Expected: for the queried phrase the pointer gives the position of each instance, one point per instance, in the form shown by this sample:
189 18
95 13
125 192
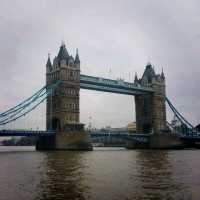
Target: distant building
131 127
120 129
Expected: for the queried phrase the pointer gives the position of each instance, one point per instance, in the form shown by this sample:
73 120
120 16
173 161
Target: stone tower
151 108
63 105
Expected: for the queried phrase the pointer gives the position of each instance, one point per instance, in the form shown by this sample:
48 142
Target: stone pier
75 140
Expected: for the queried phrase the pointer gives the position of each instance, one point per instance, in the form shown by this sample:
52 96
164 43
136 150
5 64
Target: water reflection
102 174
137 175
155 178
63 177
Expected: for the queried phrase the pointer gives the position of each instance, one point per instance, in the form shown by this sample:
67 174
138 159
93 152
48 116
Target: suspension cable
20 104
178 115
27 105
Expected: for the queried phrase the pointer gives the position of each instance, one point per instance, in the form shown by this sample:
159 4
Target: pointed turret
77 60
63 54
48 61
148 74
48 65
48 70
71 60
136 78
148 65
150 69
162 75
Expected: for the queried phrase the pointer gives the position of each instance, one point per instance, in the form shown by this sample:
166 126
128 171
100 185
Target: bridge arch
55 124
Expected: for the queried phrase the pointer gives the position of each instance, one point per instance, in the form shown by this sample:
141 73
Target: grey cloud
121 35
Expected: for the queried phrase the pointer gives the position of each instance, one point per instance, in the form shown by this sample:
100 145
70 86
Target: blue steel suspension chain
19 110
22 103
178 115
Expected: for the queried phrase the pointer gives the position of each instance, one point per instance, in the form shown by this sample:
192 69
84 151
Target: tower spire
136 78
63 54
49 61
62 43
77 60
162 74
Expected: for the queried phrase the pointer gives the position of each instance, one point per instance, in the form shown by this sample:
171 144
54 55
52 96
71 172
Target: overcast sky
121 35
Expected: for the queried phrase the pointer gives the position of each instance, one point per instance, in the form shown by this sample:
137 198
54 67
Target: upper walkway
114 86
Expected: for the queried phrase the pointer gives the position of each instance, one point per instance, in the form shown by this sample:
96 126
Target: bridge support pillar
151 111
158 141
76 140
73 141
165 141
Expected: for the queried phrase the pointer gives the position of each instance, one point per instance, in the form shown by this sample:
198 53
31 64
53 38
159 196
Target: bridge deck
123 135
31 133
28 133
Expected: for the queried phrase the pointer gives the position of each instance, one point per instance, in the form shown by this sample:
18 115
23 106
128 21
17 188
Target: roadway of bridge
30 133
123 135
27 133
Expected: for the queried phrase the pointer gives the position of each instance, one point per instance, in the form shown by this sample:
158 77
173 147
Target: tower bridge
63 127
149 92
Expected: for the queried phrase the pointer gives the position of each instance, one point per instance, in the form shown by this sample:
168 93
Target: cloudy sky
121 35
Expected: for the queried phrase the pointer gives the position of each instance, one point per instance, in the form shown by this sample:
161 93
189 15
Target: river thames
105 173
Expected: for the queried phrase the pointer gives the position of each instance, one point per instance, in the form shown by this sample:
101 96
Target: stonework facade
151 108
63 106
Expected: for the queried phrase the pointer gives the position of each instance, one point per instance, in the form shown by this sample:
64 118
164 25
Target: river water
105 173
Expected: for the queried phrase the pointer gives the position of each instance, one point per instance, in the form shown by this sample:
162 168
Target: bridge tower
151 113
151 108
62 107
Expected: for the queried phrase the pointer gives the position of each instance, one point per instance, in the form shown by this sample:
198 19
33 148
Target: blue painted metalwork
114 86
28 133
91 83
188 131
16 108
142 138
178 115
28 105
191 137
86 82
